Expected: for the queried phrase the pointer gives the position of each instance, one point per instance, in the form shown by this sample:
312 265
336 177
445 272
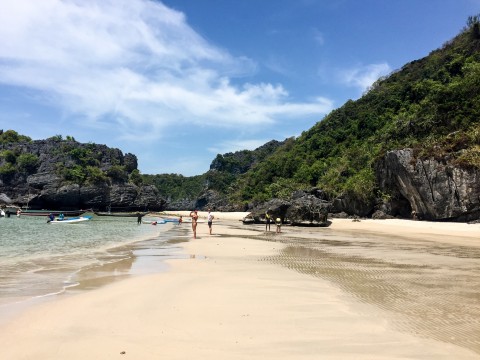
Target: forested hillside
224 170
431 105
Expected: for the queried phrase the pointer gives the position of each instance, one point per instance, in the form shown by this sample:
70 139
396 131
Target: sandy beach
374 289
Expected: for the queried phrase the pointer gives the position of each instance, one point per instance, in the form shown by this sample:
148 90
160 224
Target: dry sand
228 300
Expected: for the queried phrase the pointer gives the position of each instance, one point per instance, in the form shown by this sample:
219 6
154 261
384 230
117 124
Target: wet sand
367 290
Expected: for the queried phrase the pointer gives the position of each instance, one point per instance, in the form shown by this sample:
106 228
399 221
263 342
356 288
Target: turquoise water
38 259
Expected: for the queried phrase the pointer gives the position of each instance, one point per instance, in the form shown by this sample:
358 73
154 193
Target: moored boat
69 213
121 214
71 220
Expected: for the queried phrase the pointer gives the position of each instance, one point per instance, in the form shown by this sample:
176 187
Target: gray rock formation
50 183
306 209
433 189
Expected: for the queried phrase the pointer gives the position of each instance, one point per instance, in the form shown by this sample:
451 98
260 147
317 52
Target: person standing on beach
267 221
210 218
278 221
139 218
194 217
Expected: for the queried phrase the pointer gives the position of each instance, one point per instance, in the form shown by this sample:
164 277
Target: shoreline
228 298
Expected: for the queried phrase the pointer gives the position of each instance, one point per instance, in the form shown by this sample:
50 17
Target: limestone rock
434 189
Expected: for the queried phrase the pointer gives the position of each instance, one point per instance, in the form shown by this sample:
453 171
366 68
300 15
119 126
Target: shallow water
37 259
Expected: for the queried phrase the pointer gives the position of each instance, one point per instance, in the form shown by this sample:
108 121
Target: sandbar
231 298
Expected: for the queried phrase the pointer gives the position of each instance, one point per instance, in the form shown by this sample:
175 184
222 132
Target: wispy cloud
318 36
134 64
363 77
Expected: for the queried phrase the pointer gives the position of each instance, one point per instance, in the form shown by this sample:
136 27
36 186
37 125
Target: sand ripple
432 290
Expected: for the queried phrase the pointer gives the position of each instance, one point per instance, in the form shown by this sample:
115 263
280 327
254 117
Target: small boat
121 214
53 212
71 220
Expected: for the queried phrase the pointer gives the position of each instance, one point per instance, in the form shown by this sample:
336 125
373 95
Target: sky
177 82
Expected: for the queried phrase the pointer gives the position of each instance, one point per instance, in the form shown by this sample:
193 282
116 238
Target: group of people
51 217
194 216
268 220
7 213
210 217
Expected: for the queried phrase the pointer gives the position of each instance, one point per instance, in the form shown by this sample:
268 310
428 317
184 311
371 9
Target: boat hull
142 214
68 213
72 220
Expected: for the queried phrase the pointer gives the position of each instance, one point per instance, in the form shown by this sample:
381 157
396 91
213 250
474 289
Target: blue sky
176 82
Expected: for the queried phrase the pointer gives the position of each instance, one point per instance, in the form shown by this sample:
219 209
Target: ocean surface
38 259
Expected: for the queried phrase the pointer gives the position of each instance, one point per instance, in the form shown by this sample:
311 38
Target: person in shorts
268 219
278 222
210 218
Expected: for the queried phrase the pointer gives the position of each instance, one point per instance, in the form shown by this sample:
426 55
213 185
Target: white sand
225 303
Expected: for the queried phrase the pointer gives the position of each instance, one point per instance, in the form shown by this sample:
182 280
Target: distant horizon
177 82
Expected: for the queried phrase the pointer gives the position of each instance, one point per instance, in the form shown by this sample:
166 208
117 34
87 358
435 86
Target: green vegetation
431 105
27 163
11 136
175 186
73 162
223 174
11 162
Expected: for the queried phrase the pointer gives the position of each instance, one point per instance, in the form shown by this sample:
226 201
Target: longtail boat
121 214
69 213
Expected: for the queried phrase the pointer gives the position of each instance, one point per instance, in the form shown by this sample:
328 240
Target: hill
63 173
210 189
430 107
410 146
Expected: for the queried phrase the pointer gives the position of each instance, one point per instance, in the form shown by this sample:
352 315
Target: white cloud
133 64
364 76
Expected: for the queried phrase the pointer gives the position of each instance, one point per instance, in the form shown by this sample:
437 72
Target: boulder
307 210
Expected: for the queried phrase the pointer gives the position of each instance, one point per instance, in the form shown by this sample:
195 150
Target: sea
40 260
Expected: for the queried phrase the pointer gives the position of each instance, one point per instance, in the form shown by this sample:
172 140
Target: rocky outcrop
352 206
433 189
305 208
51 182
308 209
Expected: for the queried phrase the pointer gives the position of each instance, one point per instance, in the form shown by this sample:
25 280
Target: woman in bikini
194 217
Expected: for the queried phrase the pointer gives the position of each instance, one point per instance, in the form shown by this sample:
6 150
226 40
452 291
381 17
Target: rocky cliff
67 174
433 189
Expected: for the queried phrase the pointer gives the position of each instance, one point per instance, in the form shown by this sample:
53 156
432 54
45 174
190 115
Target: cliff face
68 174
435 190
